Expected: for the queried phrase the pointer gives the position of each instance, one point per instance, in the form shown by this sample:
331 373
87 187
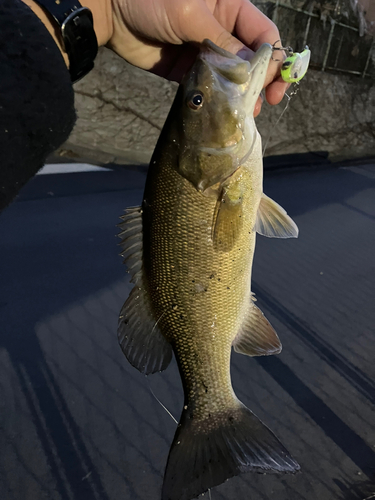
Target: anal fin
256 336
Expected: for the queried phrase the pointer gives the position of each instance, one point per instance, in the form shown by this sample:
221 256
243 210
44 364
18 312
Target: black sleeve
36 97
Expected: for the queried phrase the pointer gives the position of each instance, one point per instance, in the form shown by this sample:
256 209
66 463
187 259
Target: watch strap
77 34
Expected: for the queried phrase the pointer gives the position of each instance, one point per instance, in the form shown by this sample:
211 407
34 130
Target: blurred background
77 422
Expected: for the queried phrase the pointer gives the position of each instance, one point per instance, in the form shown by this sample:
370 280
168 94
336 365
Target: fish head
216 128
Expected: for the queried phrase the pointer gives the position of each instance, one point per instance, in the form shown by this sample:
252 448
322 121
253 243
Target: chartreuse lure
295 66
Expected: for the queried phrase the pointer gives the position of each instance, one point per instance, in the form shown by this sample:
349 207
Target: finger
254 28
275 91
179 62
262 30
258 106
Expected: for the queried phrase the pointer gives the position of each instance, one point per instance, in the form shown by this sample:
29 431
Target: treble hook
288 50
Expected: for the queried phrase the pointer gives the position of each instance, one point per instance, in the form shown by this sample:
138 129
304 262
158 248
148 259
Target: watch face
80 42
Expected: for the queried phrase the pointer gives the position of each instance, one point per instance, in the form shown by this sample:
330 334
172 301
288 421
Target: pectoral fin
228 219
256 336
273 221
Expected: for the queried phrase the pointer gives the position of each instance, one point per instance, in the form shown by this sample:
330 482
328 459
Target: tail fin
207 453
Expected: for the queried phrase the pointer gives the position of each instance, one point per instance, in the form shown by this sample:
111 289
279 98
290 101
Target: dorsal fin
142 342
139 336
131 241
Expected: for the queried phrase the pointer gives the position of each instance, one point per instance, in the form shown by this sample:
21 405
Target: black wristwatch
77 34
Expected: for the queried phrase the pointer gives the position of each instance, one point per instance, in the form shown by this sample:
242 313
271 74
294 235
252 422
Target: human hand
159 35
163 36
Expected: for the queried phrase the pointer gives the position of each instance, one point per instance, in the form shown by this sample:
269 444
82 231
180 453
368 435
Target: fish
189 249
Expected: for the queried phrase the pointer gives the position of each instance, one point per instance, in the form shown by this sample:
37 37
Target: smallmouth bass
189 248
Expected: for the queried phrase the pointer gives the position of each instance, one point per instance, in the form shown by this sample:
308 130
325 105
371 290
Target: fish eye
286 64
196 101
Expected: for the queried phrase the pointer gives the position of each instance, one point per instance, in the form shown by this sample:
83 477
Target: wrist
50 24
102 14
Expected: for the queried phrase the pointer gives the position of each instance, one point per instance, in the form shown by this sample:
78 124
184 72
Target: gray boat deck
77 422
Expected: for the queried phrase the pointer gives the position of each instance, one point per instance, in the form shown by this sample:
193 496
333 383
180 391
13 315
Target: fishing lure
293 70
295 66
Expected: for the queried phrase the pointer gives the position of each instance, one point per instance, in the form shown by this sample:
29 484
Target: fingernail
245 54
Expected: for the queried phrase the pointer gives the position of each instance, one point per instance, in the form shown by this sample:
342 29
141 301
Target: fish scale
186 264
191 267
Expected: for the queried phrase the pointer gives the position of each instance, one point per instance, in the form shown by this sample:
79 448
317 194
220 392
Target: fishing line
160 403
156 324
149 386
172 417
293 69
289 97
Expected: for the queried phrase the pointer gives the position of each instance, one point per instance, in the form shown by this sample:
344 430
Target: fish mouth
259 64
240 150
248 75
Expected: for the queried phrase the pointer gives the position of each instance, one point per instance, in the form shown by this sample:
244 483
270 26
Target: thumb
206 26
196 27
